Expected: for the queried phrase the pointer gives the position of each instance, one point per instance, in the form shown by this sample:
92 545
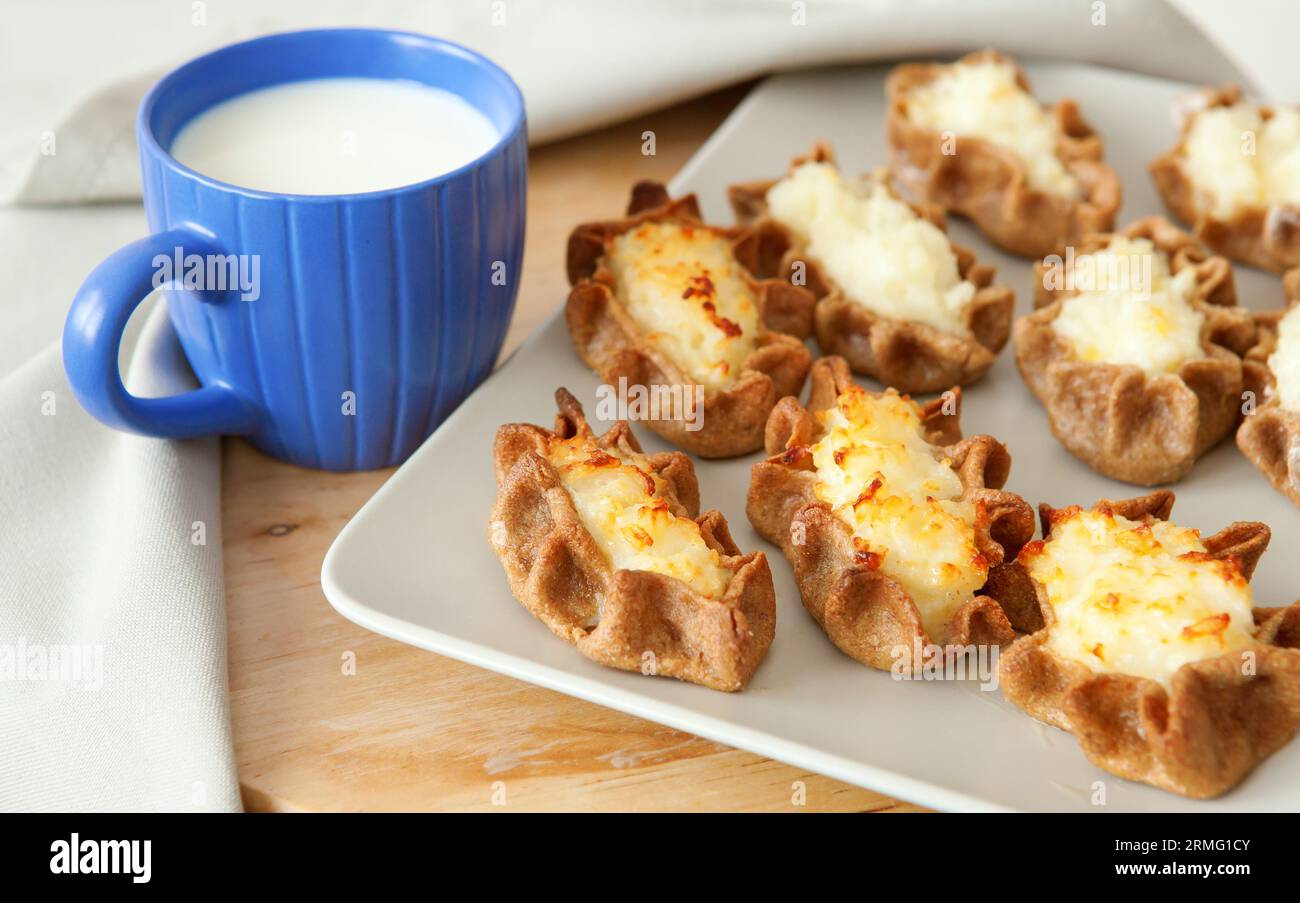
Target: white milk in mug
334 136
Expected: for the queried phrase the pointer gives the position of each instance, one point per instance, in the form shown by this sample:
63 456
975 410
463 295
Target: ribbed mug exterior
376 313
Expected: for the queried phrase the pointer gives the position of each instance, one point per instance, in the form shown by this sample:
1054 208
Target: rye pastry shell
988 184
1212 726
1119 420
623 618
611 343
865 613
1267 237
1270 435
911 357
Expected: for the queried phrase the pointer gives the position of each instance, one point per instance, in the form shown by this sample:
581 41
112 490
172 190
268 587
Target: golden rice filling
1138 598
1130 309
984 100
619 500
902 501
874 247
685 290
1236 158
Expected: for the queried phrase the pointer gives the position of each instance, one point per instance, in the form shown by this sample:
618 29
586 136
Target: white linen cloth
98 529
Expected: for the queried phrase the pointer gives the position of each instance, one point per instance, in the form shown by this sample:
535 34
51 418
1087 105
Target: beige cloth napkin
112 616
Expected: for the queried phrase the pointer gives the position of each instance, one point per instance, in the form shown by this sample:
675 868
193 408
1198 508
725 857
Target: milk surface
334 136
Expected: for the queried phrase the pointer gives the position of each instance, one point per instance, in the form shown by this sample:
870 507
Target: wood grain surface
328 716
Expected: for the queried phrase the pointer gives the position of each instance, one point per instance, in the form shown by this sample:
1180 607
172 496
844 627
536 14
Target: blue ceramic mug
377 313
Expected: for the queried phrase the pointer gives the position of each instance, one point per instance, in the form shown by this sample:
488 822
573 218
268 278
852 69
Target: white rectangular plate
415 563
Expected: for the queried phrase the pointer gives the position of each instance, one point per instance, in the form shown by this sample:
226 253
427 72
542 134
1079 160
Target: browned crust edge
1265 237
911 357
988 184
1215 723
1119 420
631 620
611 343
864 613
1269 436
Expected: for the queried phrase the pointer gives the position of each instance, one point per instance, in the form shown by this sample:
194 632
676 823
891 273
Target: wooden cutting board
328 716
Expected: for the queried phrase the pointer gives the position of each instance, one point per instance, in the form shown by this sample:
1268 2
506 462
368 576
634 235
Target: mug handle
92 336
